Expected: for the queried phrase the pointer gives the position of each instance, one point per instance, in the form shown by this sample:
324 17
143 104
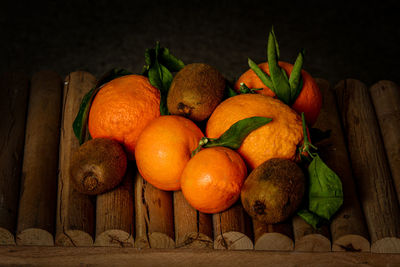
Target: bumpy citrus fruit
277 139
122 109
309 100
212 179
164 148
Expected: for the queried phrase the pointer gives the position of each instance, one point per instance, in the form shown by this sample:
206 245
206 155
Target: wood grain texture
75 211
38 197
308 239
154 221
273 237
348 229
114 214
14 90
193 229
370 166
233 229
385 96
100 256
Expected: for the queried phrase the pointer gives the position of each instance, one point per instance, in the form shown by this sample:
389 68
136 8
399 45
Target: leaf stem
307 146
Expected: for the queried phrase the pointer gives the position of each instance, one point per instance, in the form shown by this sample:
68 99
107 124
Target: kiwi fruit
98 166
195 91
273 191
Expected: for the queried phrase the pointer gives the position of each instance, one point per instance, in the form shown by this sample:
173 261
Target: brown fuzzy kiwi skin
273 191
98 166
195 91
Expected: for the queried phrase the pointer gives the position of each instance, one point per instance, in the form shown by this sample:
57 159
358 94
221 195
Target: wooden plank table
363 149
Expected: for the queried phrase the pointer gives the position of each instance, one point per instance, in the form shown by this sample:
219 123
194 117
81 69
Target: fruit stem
306 147
203 141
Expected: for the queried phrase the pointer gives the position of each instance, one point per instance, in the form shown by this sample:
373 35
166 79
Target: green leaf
149 55
234 136
266 80
295 79
325 190
169 61
160 77
276 43
79 124
159 63
312 219
279 80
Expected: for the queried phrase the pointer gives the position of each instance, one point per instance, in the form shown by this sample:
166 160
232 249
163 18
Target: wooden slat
273 237
348 228
14 89
370 166
37 207
386 99
306 238
193 229
57 256
154 220
114 214
232 229
75 211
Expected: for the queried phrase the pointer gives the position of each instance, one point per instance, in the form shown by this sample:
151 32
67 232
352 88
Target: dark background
341 41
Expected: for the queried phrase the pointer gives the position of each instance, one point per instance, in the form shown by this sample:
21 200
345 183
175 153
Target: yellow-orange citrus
164 148
309 100
212 179
277 139
122 109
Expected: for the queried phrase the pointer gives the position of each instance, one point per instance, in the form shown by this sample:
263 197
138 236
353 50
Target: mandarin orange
308 101
277 139
164 148
212 179
122 109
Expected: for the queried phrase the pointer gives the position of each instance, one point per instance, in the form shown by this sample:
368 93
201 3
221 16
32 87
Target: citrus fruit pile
187 130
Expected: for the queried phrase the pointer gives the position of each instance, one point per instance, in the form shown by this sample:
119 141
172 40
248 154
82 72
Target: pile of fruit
188 129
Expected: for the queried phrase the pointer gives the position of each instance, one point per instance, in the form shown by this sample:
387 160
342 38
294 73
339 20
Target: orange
212 179
309 100
164 148
122 109
277 139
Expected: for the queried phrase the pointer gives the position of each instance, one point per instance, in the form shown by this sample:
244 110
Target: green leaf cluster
80 122
286 88
325 192
159 65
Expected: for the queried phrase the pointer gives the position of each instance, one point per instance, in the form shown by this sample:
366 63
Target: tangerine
308 101
122 109
164 148
212 179
277 139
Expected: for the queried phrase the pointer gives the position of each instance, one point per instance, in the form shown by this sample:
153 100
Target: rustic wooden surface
154 216
114 214
64 256
75 211
193 229
232 229
306 238
348 229
37 205
386 98
273 237
14 90
370 166
368 220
